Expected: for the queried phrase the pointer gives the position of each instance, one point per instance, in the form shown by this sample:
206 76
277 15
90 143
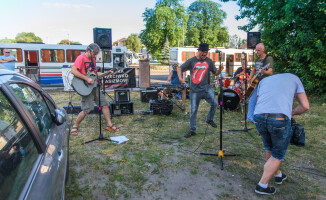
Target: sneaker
211 122
189 134
267 191
279 180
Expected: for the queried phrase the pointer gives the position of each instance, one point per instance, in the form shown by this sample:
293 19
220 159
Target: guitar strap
264 64
265 60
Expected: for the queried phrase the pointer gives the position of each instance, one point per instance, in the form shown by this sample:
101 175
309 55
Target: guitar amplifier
146 95
121 95
161 107
121 108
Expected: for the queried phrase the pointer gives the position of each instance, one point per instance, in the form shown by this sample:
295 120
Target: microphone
243 53
218 51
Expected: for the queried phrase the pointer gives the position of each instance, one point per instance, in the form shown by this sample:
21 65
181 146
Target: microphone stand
245 129
100 137
220 153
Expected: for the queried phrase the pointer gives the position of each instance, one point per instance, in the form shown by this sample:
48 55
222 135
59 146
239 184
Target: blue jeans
275 134
252 105
209 95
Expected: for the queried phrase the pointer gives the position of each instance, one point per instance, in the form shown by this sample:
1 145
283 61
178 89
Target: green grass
156 145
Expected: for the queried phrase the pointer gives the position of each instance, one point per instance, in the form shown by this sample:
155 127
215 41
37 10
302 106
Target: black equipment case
121 108
161 107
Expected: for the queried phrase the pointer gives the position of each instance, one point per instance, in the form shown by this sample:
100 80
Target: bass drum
231 98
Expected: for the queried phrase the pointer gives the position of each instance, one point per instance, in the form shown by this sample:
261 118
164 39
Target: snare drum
231 98
226 82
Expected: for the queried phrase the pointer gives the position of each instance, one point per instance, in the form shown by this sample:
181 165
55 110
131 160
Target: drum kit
233 94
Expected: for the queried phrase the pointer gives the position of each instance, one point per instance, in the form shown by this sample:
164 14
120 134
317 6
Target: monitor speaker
103 37
121 95
253 38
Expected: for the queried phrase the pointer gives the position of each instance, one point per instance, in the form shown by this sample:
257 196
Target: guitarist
262 60
84 64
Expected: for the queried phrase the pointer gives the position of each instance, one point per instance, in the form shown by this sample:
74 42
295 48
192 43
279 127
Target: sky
55 20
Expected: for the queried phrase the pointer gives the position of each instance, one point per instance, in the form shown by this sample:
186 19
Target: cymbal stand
245 129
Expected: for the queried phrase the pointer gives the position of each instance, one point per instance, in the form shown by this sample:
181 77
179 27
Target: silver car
34 141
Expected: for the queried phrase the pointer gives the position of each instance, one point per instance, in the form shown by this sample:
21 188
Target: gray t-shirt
199 73
259 64
276 92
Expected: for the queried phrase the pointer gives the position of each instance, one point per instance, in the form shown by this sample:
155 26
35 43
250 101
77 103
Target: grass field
157 156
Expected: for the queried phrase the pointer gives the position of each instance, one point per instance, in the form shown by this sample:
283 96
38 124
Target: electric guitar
82 87
254 82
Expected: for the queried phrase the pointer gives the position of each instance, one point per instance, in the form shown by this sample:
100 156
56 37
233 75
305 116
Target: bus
45 63
231 58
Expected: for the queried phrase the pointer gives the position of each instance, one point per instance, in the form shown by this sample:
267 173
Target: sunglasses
6 52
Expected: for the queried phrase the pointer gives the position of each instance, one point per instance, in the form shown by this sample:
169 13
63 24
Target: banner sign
122 78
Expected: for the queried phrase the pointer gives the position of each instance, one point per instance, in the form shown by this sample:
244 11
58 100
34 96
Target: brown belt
276 116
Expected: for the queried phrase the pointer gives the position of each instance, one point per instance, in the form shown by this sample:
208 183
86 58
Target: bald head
260 46
260 50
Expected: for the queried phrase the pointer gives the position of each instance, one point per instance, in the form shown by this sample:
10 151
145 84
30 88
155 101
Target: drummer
241 74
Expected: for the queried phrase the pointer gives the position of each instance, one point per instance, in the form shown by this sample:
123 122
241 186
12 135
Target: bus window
238 57
251 58
73 54
187 55
53 55
174 56
18 53
223 56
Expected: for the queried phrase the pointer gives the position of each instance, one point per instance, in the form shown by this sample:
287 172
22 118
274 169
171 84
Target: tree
235 42
65 41
165 53
7 40
68 42
27 37
294 33
166 20
133 43
204 24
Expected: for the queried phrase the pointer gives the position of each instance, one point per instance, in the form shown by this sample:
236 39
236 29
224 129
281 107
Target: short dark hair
93 47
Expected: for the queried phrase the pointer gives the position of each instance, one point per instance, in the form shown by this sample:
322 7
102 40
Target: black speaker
121 95
146 95
253 38
161 107
103 37
124 108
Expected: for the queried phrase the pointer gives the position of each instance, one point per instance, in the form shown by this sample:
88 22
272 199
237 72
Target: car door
19 154
50 177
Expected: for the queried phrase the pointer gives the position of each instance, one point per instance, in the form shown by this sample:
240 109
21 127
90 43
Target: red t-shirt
84 64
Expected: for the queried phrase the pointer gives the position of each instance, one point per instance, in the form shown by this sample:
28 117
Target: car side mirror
60 116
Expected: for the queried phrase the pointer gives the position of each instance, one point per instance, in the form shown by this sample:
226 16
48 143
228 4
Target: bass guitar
255 81
82 87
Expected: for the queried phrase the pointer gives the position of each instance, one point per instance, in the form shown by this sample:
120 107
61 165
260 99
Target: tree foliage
204 24
294 33
166 20
235 42
27 37
7 40
65 41
165 53
133 43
